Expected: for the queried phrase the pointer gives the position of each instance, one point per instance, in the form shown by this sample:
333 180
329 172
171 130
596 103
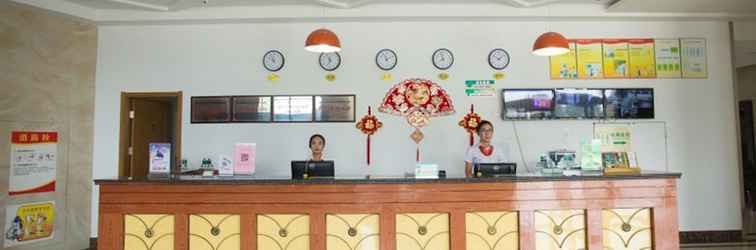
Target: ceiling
117 12
691 6
177 5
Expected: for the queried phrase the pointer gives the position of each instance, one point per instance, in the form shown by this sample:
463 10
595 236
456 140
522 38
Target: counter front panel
518 212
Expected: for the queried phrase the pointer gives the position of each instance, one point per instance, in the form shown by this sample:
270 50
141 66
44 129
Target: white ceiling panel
682 6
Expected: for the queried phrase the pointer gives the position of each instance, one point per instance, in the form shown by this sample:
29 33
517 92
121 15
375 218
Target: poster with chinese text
589 59
693 58
667 58
33 162
642 58
564 66
615 58
613 139
29 223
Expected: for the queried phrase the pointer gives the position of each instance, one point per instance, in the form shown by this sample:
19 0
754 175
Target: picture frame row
273 109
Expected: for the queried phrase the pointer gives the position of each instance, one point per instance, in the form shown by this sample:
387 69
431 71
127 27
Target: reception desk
517 212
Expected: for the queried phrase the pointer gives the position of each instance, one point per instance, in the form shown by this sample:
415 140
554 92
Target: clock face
498 59
330 61
443 59
273 60
386 59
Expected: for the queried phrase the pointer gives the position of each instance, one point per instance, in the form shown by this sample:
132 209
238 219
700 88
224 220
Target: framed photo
252 109
335 108
210 109
615 160
293 108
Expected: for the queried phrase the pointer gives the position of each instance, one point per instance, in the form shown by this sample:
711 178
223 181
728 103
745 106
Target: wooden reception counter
518 212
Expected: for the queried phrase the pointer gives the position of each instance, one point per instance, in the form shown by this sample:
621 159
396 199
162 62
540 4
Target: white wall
225 59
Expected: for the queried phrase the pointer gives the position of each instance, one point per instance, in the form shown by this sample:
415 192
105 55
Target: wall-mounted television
579 103
528 103
629 103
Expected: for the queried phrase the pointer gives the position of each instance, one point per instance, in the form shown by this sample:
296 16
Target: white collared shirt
499 154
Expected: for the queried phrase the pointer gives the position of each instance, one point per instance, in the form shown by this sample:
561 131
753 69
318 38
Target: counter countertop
286 180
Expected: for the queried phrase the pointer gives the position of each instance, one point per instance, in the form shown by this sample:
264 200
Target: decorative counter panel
525 212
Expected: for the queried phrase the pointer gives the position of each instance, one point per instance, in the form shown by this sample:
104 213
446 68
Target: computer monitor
527 104
494 169
579 104
629 103
314 169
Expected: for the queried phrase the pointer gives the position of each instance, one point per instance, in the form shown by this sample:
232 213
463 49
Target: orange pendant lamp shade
551 44
323 41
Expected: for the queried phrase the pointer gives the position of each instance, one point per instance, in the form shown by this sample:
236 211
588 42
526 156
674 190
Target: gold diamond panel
352 231
148 232
425 231
214 232
491 230
560 229
625 229
283 231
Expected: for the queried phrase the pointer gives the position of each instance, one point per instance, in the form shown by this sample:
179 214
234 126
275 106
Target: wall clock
330 61
498 59
386 59
273 60
443 59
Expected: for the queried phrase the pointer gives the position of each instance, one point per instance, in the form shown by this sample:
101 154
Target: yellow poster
564 66
27 223
615 58
667 53
589 59
642 59
694 58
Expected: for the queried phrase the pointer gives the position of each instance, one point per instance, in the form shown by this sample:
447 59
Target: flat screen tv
629 103
579 104
528 103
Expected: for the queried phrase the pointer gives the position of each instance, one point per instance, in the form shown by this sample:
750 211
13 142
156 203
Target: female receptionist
484 151
317 144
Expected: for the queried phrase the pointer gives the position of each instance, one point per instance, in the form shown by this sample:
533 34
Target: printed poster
589 59
693 58
564 66
480 88
667 58
29 223
160 158
33 162
613 139
244 158
615 58
642 58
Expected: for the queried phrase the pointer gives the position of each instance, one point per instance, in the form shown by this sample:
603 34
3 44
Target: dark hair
317 136
480 125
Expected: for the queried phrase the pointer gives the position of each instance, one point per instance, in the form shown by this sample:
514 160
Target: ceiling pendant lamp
550 44
322 41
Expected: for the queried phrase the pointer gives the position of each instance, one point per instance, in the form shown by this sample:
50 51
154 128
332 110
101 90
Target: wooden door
150 124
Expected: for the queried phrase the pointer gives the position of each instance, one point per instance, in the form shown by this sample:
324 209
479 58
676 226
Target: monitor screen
312 168
579 103
494 169
528 103
629 103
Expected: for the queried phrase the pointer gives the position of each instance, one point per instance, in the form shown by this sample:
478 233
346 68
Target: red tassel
472 139
417 153
368 150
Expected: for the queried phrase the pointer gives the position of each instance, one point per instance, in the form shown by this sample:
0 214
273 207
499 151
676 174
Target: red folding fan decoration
418 100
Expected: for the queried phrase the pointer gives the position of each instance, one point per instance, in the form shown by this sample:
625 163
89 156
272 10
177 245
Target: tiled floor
727 246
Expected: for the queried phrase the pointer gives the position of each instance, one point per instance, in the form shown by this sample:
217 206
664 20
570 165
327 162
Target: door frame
125 127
